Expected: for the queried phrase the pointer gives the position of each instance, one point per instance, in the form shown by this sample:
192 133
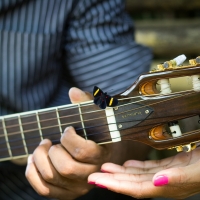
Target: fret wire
13 157
39 126
22 134
6 137
82 121
59 123
101 143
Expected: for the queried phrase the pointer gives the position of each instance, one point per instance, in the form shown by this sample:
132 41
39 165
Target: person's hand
61 171
177 177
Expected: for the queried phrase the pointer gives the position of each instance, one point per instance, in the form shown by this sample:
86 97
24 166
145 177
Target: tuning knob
195 61
186 148
175 62
172 63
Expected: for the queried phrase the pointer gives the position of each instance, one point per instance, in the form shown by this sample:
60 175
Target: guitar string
80 129
65 109
82 106
57 125
88 127
157 102
56 133
41 121
101 141
71 123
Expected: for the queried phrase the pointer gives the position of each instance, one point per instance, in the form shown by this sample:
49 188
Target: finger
154 166
45 167
140 167
41 160
138 190
76 95
148 163
83 150
178 176
121 177
67 166
113 168
42 187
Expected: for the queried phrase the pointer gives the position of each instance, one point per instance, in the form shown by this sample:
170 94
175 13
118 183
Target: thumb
174 176
76 95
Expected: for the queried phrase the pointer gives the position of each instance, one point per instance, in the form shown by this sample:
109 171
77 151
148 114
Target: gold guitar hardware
185 148
176 63
195 61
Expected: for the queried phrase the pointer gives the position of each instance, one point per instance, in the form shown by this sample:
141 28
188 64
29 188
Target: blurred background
170 28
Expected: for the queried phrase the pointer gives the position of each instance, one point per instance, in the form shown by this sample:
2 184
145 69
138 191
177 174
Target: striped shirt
47 46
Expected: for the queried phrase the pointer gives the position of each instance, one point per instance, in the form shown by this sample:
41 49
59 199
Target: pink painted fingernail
91 183
104 171
161 180
101 186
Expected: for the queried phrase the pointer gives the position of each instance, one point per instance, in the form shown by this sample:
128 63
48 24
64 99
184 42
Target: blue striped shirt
46 46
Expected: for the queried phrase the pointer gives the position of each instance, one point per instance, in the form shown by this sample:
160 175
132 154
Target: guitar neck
21 133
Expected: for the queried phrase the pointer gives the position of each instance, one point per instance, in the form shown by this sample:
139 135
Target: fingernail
161 180
42 142
91 183
30 159
101 186
66 129
104 171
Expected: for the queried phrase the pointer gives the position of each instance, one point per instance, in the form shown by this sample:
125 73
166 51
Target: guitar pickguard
130 114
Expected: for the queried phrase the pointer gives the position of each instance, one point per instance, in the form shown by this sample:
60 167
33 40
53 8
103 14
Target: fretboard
21 133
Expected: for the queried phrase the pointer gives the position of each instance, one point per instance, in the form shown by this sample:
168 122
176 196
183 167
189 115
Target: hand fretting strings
56 141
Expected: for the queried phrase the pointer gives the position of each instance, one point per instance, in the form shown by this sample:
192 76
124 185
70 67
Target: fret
114 133
39 126
71 117
96 124
50 127
32 134
22 134
82 122
6 137
59 123
14 136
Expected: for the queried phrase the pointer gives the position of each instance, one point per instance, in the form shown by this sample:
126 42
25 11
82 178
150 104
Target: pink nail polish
161 180
104 171
91 183
101 186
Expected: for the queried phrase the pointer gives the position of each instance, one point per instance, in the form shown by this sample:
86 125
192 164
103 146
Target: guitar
143 114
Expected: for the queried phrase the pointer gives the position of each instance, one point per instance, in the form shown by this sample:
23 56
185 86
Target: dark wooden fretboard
21 133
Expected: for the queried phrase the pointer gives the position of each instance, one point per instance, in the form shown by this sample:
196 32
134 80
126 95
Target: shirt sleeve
100 48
